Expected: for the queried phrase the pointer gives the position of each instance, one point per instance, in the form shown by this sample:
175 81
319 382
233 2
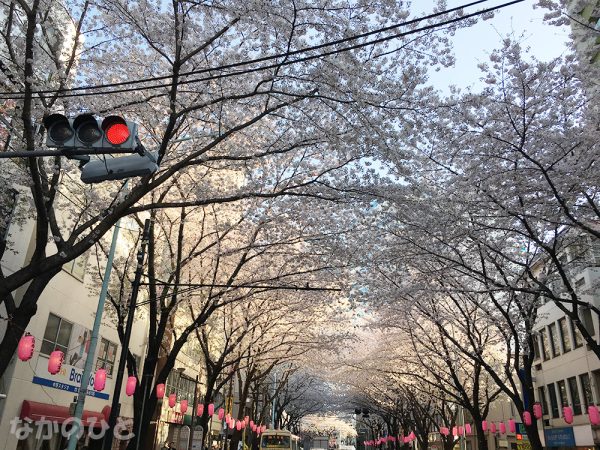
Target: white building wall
569 362
71 299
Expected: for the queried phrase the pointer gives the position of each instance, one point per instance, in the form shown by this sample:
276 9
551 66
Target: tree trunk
20 317
482 443
448 442
533 435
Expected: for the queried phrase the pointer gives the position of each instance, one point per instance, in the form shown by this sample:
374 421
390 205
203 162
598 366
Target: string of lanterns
593 412
26 350
210 409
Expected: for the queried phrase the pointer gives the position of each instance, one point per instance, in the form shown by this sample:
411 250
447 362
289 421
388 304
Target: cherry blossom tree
260 131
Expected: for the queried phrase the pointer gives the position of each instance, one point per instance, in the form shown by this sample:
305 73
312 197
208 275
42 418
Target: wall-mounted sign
559 437
71 372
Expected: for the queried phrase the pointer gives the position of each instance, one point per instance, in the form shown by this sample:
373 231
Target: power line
65 92
262 59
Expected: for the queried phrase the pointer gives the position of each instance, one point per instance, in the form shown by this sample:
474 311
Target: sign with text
71 372
184 438
559 437
521 432
197 437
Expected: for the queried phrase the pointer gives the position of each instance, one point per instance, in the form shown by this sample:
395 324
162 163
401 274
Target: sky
473 45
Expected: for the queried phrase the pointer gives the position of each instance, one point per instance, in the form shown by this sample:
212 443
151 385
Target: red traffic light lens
117 133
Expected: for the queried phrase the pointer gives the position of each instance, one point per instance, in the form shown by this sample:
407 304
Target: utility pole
274 399
87 370
194 407
135 287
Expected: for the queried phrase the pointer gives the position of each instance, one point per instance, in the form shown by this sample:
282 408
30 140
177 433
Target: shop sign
184 438
71 372
197 437
523 445
559 437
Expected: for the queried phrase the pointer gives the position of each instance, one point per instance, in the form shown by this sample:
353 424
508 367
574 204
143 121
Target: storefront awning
37 411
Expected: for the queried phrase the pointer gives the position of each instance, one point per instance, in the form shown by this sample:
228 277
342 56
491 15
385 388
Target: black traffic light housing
86 135
85 132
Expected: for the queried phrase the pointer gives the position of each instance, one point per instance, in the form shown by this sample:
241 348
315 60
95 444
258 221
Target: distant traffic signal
87 132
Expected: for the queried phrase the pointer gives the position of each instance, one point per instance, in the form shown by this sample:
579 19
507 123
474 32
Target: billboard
71 372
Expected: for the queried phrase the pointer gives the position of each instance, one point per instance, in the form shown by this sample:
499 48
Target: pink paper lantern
26 347
461 431
131 385
502 428
568 414
160 390
172 400
55 361
492 427
594 414
484 425
100 380
200 410
468 428
221 413
211 409
183 406
527 418
391 438
444 431
454 431
247 419
412 436
252 424
512 426
405 439
238 425
537 410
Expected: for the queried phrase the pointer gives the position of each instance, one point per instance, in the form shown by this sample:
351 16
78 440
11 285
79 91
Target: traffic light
86 132
108 168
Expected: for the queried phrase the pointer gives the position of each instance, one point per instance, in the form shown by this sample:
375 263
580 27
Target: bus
279 440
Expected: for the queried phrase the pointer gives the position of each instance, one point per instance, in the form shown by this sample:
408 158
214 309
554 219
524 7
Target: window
553 339
588 398
542 399
536 348
180 384
545 346
57 335
574 391
562 389
580 284
106 356
553 400
275 441
586 319
576 335
596 384
138 363
76 267
564 335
